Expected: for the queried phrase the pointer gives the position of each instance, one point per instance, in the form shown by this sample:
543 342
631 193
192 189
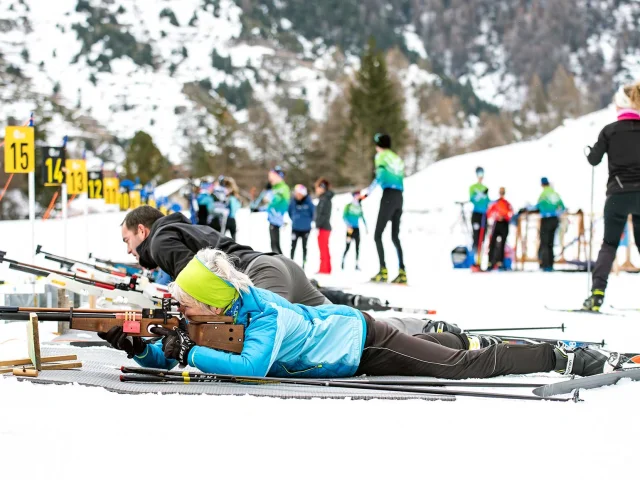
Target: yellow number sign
53 166
96 186
111 188
135 198
125 200
76 176
19 151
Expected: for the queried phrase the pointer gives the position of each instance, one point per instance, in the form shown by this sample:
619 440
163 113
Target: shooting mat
101 368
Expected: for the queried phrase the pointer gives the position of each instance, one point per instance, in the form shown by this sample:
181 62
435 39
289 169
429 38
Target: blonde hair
220 264
232 185
628 96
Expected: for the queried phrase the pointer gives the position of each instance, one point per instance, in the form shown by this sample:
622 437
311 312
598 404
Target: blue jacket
301 213
281 339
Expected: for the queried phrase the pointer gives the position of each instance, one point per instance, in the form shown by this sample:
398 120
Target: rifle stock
211 331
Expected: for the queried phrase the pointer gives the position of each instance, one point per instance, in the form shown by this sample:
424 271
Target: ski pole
593 176
208 378
412 382
561 327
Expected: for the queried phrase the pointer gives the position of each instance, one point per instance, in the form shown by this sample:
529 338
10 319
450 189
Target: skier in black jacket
621 142
170 242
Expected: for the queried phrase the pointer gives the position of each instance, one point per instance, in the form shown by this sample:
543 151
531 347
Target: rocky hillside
222 84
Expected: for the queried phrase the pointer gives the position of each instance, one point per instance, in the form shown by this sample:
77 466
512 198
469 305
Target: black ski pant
353 236
232 227
274 234
299 235
617 209
548 227
387 351
478 223
498 242
390 211
229 226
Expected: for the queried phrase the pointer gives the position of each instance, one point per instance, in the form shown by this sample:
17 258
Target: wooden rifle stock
211 331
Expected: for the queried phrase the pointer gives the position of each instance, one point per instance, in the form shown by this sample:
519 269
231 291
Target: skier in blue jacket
301 211
291 340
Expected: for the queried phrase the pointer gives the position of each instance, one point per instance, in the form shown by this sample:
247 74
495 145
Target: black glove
434 326
176 344
268 186
369 303
121 341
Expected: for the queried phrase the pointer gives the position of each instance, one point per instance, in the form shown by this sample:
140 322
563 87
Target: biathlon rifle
107 274
211 331
130 268
112 293
140 283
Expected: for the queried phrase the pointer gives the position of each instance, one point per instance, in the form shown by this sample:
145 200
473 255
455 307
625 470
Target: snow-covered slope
518 167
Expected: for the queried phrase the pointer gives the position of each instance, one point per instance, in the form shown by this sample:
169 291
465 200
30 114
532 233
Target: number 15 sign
19 151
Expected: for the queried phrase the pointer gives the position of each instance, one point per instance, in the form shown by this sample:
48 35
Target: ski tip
122 368
122 378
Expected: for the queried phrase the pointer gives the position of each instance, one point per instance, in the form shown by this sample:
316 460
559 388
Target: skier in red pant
500 212
323 222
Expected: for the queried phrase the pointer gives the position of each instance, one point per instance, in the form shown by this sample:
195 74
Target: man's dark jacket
173 241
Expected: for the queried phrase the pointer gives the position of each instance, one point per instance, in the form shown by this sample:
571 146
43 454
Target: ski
565 343
627 309
594 381
159 376
579 310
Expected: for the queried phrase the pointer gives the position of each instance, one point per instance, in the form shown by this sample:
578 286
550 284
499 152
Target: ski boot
434 326
368 303
401 279
476 342
381 277
587 361
594 302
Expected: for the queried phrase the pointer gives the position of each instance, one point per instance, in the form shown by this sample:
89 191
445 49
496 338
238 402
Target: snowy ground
73 432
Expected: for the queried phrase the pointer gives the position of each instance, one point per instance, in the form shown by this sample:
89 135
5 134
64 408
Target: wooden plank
45 366
24 372
33 340
27 361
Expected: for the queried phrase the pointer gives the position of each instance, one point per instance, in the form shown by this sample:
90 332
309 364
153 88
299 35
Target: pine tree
144 160
377 105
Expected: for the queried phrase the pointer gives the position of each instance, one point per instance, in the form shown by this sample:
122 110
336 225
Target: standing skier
621 142
323 223
205 204
233 199
390 176
479 197
351 216
278 198
221 208
301 210
550 207
500 212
